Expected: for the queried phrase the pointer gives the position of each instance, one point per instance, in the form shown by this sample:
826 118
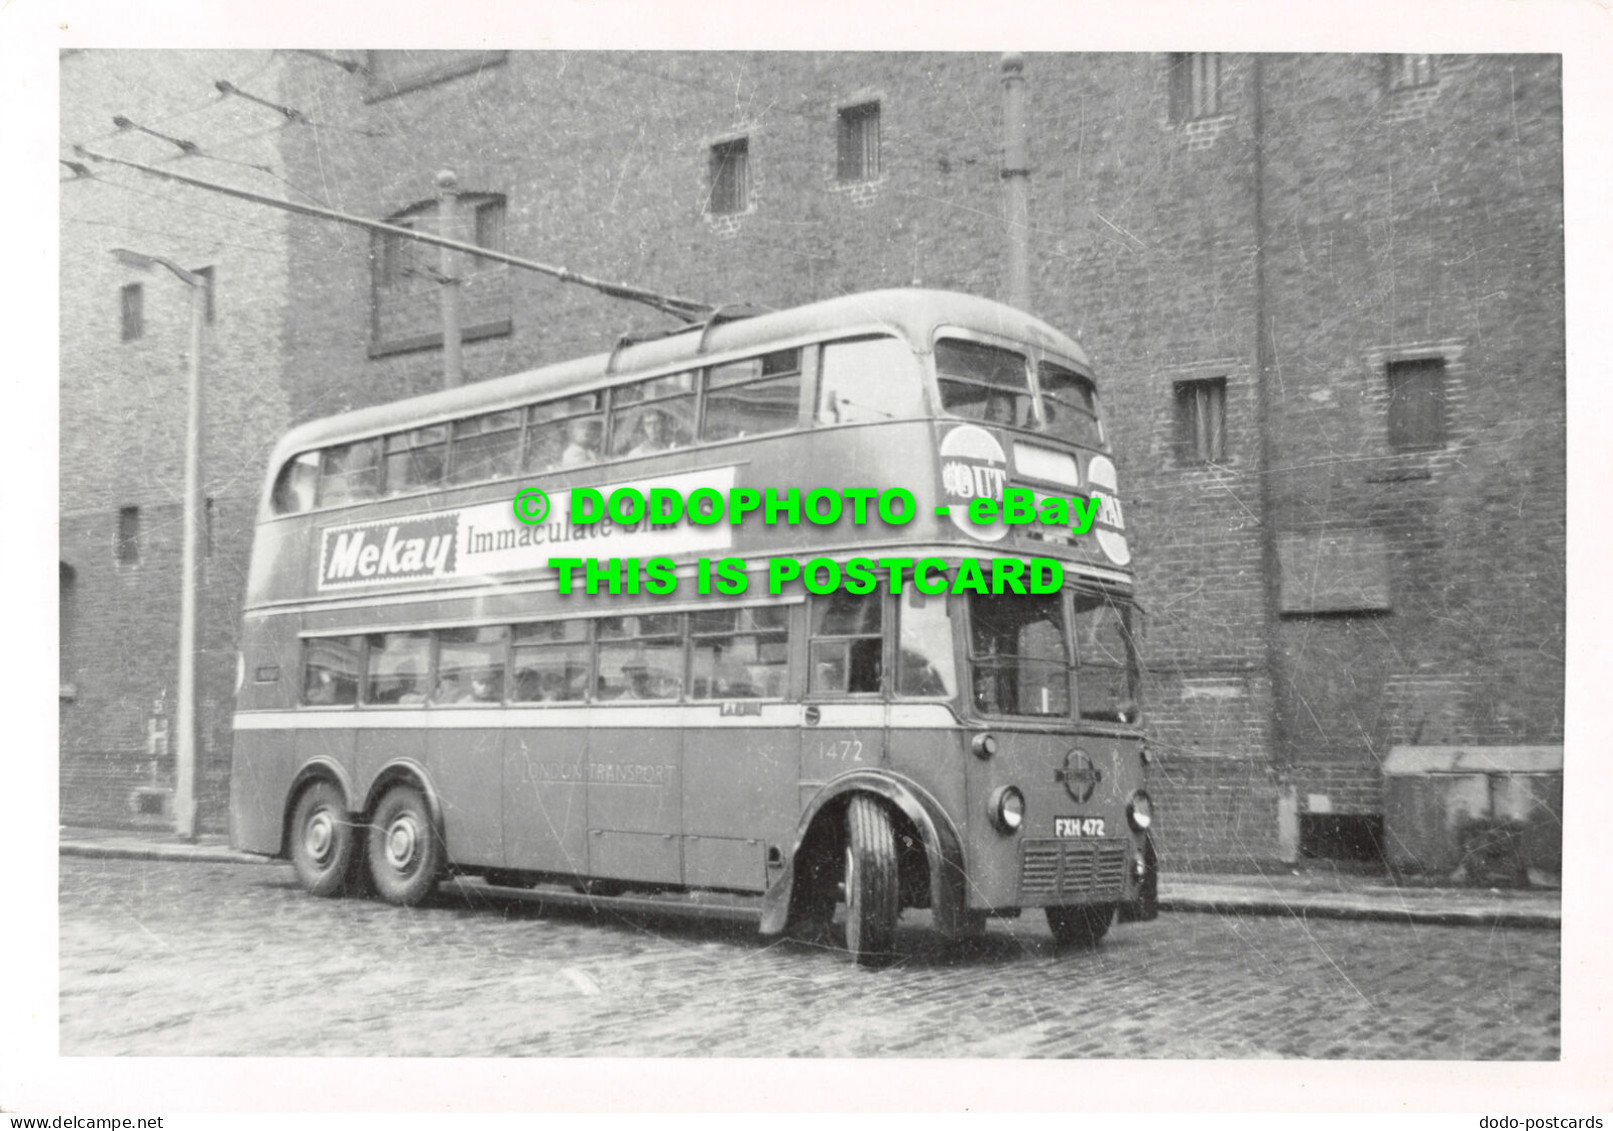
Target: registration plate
1077 826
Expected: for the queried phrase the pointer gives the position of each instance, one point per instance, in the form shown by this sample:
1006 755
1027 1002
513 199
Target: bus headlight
984 746
1140 811
1008 809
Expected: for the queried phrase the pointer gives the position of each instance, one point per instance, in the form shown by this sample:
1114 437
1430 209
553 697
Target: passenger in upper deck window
582 444
654 434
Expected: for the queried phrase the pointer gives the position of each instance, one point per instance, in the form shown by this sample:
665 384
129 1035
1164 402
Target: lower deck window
398 665
330 670
640 657
847 643
739 653
470 665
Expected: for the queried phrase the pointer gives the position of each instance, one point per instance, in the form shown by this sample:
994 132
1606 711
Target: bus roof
913 314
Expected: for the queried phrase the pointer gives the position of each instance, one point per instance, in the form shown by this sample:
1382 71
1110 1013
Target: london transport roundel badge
1110 525
973 465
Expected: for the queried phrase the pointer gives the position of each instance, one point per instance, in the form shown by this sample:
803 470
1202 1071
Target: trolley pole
186 723
1016 174
453 370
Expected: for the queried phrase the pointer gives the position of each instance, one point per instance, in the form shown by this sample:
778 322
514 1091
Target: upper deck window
753 397
565 433
294 489
653 416
486 447
867 379
1070 405
416 459
985 383
351 473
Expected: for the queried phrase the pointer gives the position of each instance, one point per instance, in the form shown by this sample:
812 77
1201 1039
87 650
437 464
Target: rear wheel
872 881
1080 926
406 854
324 842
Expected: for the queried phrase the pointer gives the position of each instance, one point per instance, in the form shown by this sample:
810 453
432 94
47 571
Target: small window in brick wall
1407 72
1416 404
730 177
1195 85
1201 421
128 544
134 312
859 143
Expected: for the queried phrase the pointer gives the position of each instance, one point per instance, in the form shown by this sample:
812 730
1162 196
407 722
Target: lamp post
186 743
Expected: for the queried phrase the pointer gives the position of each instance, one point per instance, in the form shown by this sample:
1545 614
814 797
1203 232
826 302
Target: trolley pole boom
689 310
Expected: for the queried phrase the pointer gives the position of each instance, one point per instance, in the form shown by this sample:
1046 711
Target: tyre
1145 908
1080 926
324 841
872 882
405 850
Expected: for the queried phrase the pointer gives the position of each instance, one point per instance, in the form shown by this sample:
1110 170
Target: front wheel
872 889
406 854
1080 926
324 842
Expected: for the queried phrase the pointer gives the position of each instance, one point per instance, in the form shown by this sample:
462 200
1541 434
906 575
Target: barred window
1195 85
1201 421
859 143
730 177
127 548
133 299
1407 72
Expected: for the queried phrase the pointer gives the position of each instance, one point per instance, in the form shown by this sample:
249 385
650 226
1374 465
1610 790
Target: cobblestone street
164 958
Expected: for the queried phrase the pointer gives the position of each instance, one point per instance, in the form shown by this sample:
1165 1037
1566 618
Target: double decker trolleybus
418 699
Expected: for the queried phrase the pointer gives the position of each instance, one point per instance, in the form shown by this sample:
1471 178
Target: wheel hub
319 837
402 842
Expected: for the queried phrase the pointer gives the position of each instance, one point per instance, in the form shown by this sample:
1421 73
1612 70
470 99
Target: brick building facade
123 354
1324 293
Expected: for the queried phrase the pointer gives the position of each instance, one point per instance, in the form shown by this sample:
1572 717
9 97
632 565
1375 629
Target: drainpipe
453 371
1016 174
1271 566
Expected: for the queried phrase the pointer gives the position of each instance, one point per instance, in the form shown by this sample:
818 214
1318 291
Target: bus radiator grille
1072 871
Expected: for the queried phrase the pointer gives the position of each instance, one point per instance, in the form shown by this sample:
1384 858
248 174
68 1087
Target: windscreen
1106 675
1019 661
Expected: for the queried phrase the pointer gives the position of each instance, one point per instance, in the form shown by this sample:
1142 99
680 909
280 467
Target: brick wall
1386 225
123 413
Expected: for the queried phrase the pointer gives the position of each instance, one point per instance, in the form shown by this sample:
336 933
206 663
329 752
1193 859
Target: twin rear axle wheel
399 852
